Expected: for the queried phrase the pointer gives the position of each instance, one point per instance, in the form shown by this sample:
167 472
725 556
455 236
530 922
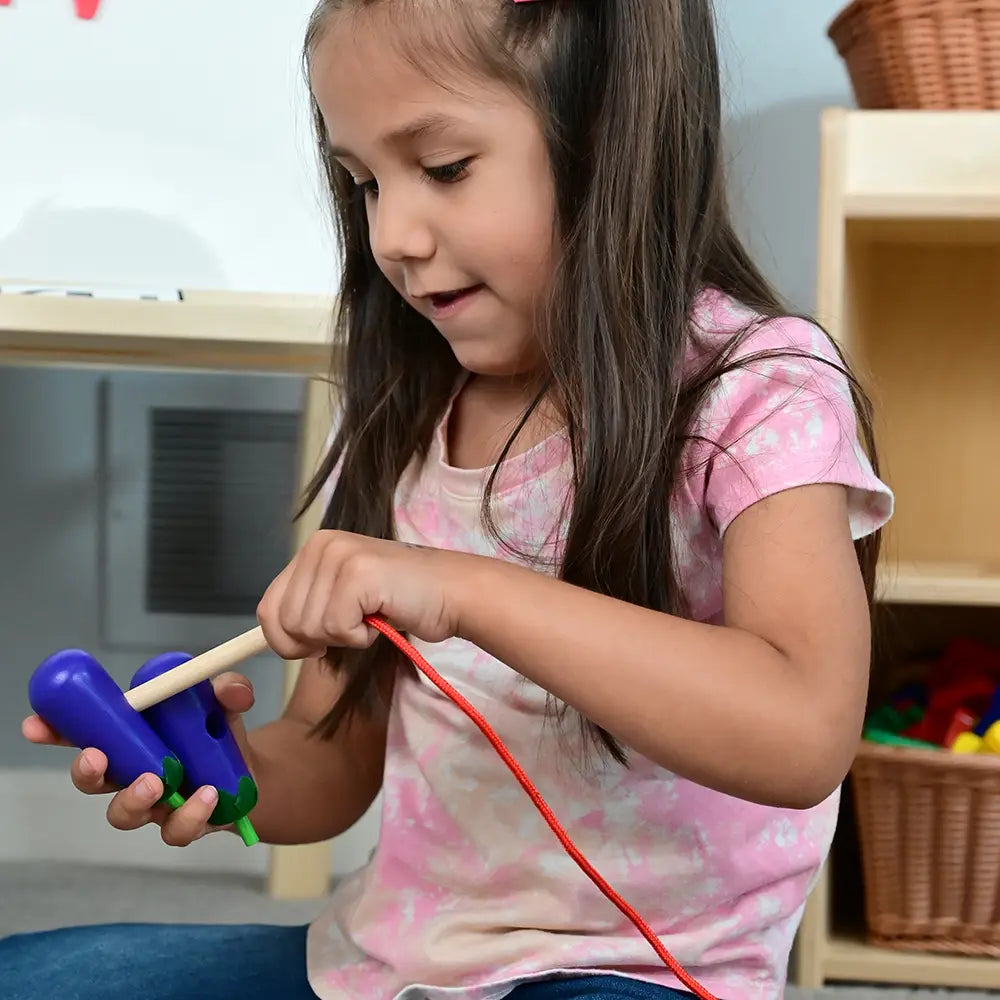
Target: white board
163 142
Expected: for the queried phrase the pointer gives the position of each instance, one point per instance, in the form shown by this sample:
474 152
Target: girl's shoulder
747 362
778 408
721 325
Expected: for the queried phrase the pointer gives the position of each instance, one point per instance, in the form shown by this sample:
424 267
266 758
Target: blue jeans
210 962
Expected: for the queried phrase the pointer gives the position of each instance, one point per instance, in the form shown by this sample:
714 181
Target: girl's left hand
324 594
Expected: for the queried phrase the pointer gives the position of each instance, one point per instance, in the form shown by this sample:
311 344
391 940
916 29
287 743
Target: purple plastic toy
193 724
75 695
184 740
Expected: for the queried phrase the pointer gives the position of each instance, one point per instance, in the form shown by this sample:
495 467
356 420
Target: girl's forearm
309 790
716 705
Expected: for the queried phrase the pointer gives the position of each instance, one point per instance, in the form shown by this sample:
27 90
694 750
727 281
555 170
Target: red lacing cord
571 849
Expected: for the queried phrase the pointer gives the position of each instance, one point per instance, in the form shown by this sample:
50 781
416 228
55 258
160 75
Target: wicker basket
929 828
921 54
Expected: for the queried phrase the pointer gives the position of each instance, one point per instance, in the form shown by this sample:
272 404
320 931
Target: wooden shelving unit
909 284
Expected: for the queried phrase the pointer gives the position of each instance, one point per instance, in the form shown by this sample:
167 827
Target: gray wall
781 71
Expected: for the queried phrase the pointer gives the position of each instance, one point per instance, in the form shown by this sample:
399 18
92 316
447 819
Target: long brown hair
628 96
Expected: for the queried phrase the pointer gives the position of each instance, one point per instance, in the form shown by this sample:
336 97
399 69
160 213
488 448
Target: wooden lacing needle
197 669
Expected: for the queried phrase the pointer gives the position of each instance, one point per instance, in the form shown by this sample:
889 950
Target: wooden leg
300 871
814 934
303 871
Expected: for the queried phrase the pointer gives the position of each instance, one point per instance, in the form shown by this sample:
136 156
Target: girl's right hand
135 806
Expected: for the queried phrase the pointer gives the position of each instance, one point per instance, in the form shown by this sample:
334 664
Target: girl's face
457 187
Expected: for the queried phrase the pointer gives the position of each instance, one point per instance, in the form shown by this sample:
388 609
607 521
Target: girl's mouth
448 303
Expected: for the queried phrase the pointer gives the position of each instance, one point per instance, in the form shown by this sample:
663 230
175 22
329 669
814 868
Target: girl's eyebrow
432 123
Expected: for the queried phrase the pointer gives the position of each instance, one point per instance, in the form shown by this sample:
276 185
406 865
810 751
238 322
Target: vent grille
221 492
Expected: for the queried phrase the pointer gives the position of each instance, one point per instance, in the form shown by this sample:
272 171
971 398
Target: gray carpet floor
43 896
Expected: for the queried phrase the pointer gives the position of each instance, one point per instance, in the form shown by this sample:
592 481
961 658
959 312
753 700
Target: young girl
611 491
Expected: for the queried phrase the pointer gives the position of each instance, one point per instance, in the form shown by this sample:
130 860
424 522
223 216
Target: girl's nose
399 231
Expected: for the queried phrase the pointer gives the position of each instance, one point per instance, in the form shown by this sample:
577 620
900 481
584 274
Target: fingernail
149 789
208 795
87 766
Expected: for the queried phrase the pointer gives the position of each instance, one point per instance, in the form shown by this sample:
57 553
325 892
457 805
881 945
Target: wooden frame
207 331
908 278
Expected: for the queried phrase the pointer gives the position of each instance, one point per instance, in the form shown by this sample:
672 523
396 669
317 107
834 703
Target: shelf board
958 206
925 229
217 330
935 583
849 960
915 163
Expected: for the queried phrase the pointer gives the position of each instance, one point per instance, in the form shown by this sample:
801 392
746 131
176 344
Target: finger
290 587
334 611
345 593
88 773
37 730
190 822
280 610
311 566
234 693
132 807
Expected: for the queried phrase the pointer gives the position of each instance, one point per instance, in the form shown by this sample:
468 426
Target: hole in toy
215 723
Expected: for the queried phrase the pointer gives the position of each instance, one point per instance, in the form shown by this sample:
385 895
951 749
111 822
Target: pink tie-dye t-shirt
468 893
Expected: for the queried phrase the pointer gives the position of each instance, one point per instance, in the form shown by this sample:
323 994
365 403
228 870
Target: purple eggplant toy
193 724
168 723
75 695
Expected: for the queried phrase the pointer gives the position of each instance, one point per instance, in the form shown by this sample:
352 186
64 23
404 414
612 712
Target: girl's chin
492 363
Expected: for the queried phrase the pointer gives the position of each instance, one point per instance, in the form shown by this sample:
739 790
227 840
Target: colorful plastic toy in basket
926 784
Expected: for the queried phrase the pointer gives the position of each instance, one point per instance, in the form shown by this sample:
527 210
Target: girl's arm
311 789
767 707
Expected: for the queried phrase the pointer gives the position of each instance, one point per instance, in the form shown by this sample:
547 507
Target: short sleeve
783 421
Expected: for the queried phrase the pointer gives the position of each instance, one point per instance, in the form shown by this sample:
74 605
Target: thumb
235 694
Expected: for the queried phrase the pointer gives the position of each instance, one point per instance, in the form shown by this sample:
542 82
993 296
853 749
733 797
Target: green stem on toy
176 800
245 829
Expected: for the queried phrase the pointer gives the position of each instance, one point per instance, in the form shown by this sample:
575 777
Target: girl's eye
449 173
